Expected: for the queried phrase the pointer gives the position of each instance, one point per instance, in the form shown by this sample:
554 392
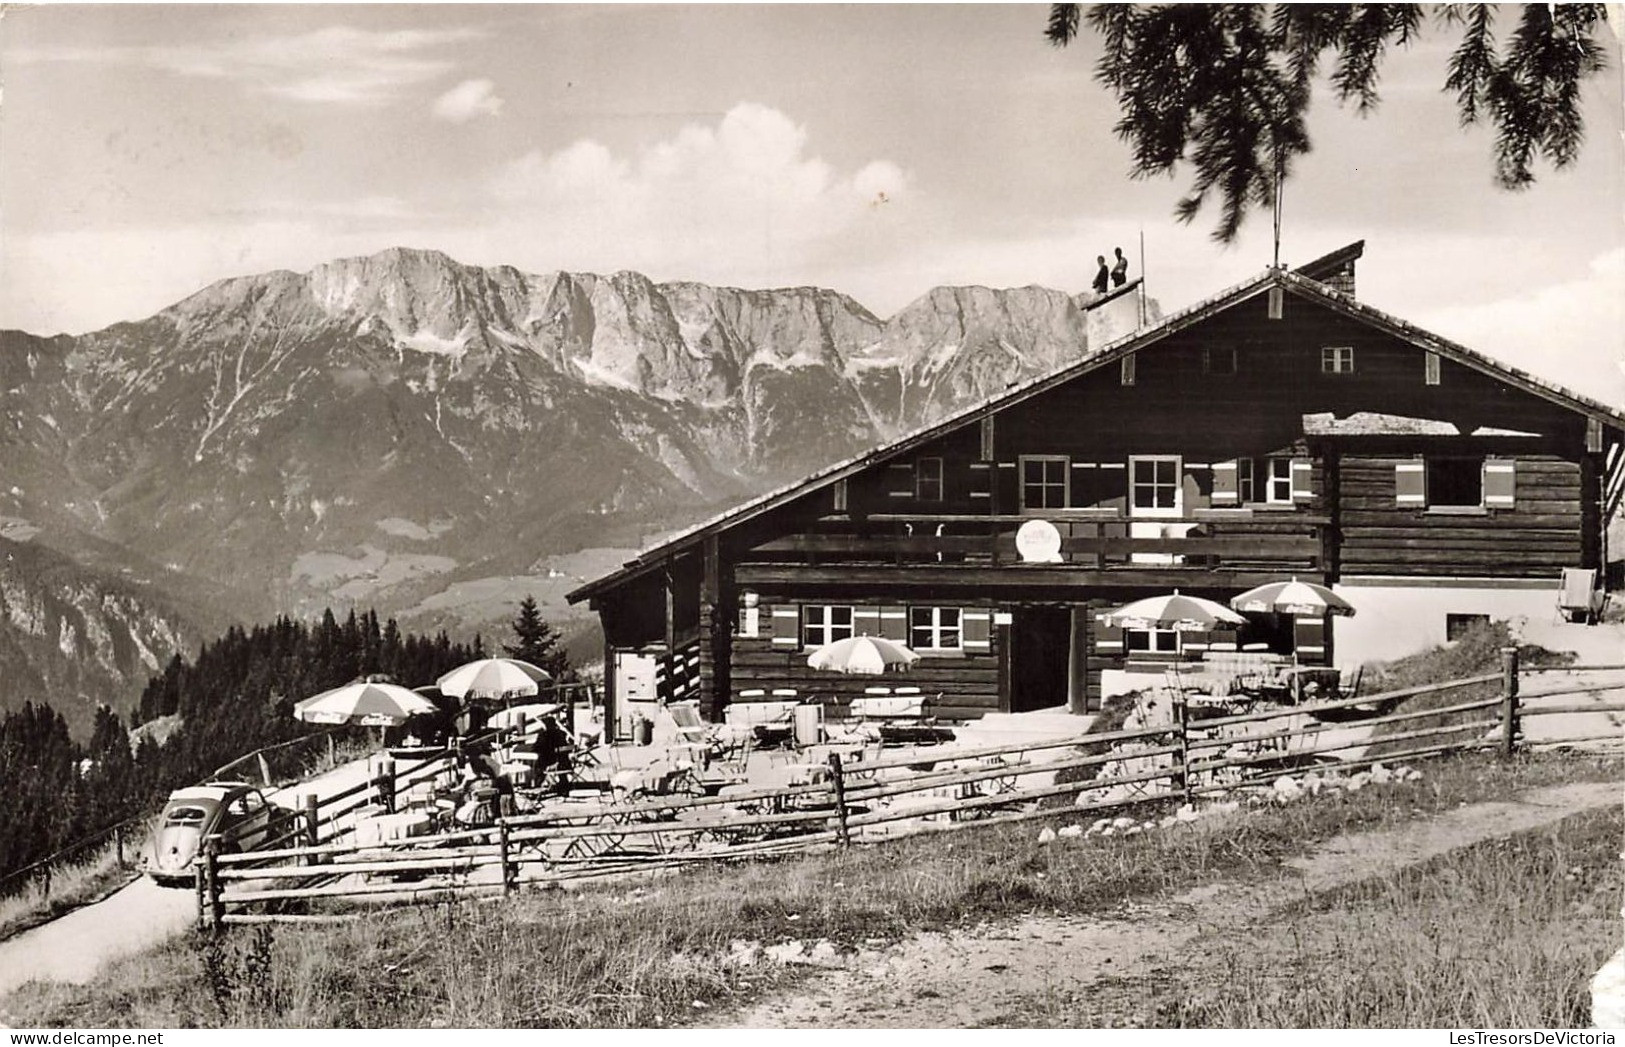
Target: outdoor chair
1580 598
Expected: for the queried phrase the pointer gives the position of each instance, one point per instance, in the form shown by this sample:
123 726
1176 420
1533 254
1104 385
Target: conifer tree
1226 87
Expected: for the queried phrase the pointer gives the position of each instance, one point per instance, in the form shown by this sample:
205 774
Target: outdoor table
384 828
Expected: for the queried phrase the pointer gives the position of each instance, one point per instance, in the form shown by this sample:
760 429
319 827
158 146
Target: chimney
1335 270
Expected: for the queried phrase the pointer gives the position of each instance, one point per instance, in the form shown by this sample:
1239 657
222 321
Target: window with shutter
1454 483
866 621
1500 483
935 629
1108 639
1410 484
823 623
1226 490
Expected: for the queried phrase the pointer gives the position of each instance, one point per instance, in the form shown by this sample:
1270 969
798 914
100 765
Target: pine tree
1227 87
537 642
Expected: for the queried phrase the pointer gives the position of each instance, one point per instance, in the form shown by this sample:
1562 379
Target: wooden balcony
1211 545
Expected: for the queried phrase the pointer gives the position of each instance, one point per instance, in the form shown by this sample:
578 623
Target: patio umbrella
1173 611
365 703
1293 597
493 678
862 654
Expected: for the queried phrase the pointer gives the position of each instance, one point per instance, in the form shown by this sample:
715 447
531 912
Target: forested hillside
237 695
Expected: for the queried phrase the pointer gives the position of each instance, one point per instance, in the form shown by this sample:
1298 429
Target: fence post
1509 700
211 880
313 815
200 888
332 752
1182 779
386 782
46 888
838 783
118 842
508 872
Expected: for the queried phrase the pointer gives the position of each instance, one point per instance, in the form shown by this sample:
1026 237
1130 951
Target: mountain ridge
379 428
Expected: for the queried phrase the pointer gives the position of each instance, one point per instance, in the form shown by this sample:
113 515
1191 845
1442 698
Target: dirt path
981 977
73 947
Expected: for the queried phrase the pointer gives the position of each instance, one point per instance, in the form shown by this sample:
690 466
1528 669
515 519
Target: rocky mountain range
436 439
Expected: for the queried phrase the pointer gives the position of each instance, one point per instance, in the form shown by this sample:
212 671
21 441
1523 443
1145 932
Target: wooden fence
1190 756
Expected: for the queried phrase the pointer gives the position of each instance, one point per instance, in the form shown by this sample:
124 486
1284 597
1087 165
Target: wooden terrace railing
1186 758
1209 541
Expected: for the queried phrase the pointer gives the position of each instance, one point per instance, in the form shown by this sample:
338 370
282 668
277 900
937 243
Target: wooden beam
1014 578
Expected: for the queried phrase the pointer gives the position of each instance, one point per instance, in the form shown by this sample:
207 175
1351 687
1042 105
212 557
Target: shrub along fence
1193 755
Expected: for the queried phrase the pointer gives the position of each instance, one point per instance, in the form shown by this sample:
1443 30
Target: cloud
1572 332
467 100
740 199
335 65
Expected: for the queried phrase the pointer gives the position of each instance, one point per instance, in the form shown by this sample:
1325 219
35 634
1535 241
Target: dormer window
1337 359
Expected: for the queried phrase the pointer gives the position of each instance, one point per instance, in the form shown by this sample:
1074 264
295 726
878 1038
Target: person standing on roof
1102 276
1119 269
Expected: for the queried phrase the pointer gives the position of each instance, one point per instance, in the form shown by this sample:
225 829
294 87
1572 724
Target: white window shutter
1410 483
1500 483
1225 491
1303 471
786 624
975 635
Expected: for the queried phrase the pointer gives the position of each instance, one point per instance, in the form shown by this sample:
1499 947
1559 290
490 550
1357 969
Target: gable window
1044 481
825 623
1337 359
1219 359
1154 483
1454 482
928 479
934 629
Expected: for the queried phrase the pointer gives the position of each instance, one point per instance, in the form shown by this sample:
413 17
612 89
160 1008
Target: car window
185 816
253 802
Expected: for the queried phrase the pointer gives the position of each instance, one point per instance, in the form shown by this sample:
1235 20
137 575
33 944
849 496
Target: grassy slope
623 956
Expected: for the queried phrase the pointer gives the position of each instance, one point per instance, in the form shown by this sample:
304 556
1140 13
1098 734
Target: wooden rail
1184 759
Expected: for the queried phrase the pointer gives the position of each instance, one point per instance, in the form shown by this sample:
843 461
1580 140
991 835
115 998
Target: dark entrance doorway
1040 657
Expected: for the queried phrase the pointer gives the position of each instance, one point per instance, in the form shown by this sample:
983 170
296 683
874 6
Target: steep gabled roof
1291 282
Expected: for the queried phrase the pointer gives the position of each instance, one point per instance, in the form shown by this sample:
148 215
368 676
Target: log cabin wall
960 684
1535 536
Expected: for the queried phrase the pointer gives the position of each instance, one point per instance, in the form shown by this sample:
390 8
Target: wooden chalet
1278 428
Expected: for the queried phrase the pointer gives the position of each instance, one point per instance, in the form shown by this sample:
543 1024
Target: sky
148 150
